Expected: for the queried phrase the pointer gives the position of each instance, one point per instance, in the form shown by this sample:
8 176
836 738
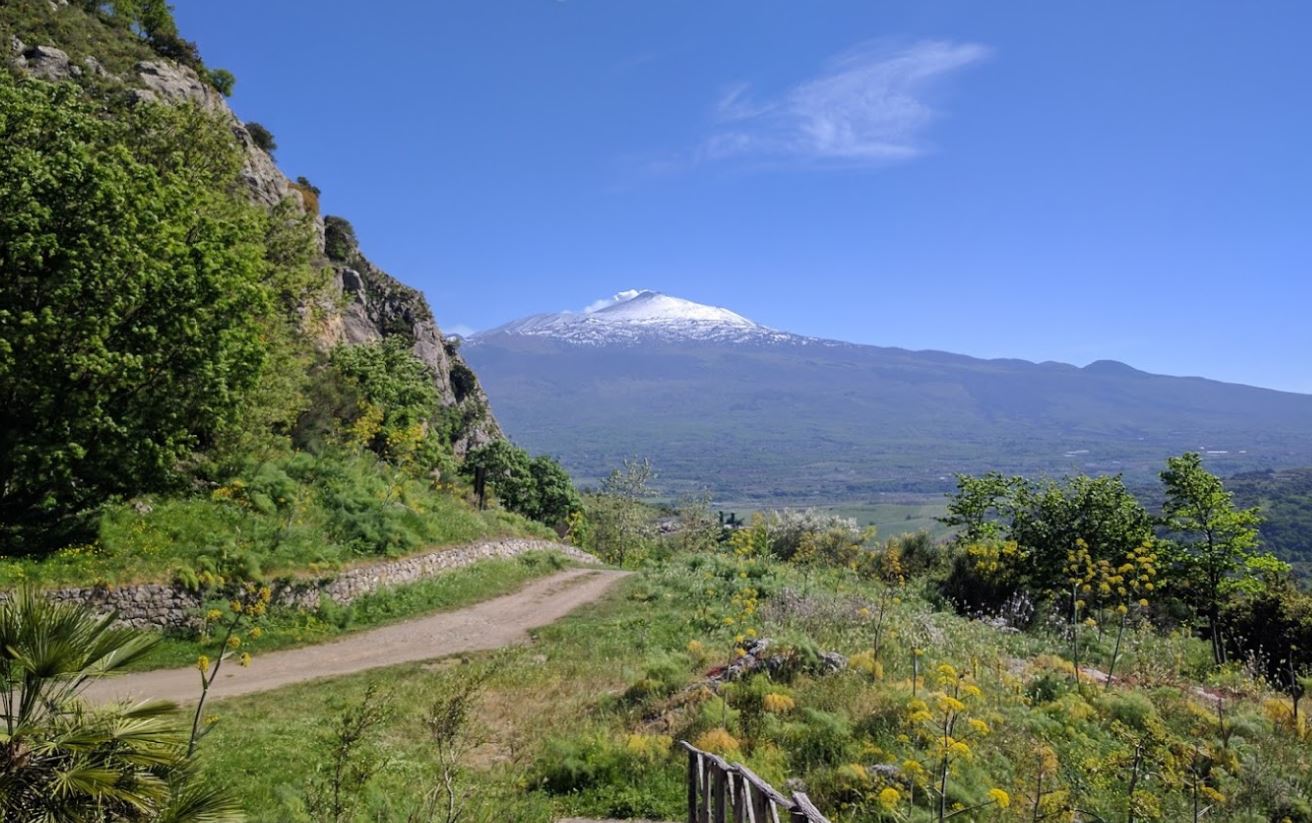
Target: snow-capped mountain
641 315
759 414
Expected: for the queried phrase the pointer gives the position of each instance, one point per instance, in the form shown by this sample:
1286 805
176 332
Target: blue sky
1054 181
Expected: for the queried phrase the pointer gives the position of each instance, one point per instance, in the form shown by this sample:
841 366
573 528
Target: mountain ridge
703 322
785 418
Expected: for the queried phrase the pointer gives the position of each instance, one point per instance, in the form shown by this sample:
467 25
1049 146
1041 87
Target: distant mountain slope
759 414
1285 497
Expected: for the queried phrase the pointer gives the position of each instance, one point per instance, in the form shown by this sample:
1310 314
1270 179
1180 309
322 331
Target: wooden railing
719 792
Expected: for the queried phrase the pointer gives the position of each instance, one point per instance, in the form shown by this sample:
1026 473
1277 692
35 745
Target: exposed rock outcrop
381 306
49 63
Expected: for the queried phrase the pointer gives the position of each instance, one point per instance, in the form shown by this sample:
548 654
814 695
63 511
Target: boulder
49 63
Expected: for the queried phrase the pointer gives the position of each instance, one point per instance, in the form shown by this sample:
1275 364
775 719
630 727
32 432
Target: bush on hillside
339 240
262 137
119 363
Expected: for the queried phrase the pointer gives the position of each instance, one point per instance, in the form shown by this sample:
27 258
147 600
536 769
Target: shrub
309 195
663 675
262 137
819 738
222 80
339 240
109 389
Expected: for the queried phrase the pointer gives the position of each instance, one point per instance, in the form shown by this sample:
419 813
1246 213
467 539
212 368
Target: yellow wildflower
203 663
888 798
1000 797
778 703
718 741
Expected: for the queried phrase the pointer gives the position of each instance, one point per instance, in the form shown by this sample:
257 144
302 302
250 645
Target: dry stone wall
172 607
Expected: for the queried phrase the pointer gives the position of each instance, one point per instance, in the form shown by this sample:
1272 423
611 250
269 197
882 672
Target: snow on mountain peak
641 314
644 306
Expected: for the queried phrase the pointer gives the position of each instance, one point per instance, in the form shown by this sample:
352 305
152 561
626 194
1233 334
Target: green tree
1050 519
1212 544
62 760
621 523
509 471
557 498
398 412
1046 520
537 487
132 295
263 138
983 507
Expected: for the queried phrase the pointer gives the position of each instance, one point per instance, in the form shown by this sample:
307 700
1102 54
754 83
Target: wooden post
717 795
693 777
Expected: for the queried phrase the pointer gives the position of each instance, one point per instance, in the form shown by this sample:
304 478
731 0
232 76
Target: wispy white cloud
460 330
598 305
868 106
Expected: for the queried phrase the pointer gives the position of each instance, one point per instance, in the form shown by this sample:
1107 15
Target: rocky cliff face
377 305
372 304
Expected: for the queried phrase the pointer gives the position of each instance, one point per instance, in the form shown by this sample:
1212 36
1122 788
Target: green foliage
65 761
392 406
134 298
339 506
610 777
1046 519
262 137
536 487
222 80
620 523
1285 500
340 242
1212 544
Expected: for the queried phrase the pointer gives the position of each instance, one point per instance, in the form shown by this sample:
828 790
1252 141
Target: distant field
903 515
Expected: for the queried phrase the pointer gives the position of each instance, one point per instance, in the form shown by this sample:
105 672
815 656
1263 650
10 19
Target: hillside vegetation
875 678
190 391
1285 500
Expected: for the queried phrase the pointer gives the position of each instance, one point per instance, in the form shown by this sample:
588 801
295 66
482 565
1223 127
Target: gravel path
488 625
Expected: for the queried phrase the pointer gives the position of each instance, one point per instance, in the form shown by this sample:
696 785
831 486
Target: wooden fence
720 792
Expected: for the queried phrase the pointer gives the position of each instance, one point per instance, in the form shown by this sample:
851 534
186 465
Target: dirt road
487 625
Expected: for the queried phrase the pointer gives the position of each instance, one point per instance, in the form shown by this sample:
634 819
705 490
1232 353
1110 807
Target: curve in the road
488 625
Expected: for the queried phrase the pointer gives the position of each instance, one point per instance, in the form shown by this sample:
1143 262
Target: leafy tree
131 302
983 507
398 413
62 760
339 240
1045 521
262 137
557 498
1212 543
1049 521
222 80
621 524
508 469
536 487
